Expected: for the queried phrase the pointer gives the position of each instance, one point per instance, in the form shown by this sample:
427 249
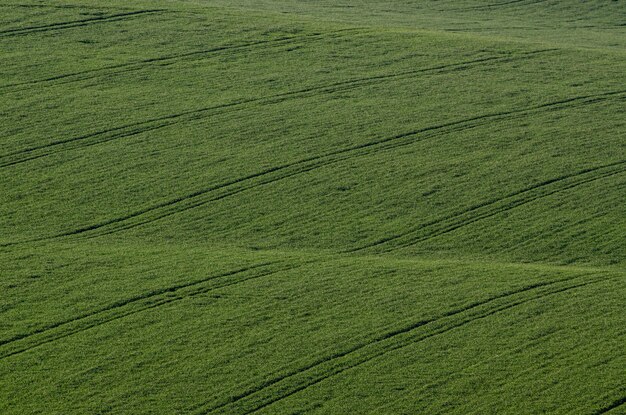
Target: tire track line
143 302
463 370
494 207
168 59
132 129
616 404
294 381
482 120
60 6
443 331
183 203
497 5
77 23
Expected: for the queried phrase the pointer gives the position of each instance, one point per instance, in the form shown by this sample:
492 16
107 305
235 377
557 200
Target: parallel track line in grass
76 23
443 331
497 5
494 207
143 302
294 381
274 174
168 59
443 380
99 137
232 192
614 405
60 6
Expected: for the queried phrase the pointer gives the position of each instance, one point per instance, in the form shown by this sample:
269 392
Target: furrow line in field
60 6
167 59
146 301
400 140
294 381
98 137
494 207
76 23
192 203
618 403
497 5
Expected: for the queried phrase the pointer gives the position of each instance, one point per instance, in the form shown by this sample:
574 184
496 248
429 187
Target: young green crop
312 207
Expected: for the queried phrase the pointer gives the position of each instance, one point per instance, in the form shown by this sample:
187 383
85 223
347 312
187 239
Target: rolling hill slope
313 207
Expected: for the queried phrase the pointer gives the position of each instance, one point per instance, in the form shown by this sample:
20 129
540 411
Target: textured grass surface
312 207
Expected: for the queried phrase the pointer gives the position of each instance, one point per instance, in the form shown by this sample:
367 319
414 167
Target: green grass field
320 207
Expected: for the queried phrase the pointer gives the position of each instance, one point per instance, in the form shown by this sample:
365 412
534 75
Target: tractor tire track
60 6
77 23
618 403
294 381
168 59
192 200
104 136
494 207
498 5
338 371
464 369
143 302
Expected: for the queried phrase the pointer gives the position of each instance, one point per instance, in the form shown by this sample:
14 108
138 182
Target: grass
312 207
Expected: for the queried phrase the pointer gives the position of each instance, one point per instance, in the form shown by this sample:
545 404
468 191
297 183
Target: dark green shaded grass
312 207
317 313
225 152
541 367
